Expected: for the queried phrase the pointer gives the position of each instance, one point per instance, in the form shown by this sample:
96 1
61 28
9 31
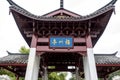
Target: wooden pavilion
85 32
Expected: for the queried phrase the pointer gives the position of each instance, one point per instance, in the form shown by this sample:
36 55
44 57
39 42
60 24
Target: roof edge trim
16 53
110 3
111 54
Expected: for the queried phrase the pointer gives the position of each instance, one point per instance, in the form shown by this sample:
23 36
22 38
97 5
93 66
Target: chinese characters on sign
61 42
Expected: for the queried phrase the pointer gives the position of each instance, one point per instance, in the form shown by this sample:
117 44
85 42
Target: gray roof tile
23 59
24 12
16 59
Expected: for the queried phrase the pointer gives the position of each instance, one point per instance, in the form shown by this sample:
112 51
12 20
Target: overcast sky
11 39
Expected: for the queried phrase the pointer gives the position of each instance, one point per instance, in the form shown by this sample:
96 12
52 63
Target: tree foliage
114 74
57 76
6 72
24 50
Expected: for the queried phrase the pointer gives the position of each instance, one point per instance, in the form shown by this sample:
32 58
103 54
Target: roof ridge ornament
61 3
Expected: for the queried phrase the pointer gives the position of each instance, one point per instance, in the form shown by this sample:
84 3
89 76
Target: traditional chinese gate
61 39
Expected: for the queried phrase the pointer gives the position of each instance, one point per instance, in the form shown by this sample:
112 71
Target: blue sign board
61 42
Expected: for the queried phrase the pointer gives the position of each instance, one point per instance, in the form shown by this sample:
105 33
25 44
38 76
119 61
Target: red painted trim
108 65
34 41
24 65
89 41
75 49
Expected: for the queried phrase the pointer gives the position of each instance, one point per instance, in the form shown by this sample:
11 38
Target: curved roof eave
42 18
24 12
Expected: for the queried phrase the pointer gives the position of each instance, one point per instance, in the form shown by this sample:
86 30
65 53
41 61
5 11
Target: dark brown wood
12 70
84 53
107 65
58 70
34 41
14 64
105 78
75 49
17 77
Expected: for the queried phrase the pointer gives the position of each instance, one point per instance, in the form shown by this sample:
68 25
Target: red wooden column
89 61
33 61
88 41
34 41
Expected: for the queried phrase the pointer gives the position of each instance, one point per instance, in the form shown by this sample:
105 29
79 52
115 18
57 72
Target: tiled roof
14 59
22 59
107 59
43 18
24 12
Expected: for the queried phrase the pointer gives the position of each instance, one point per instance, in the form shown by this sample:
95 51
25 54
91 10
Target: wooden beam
107 65
13 64
12 70
55 64
59 70
76 40
75 49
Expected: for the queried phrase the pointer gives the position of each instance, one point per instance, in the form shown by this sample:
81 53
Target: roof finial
61 3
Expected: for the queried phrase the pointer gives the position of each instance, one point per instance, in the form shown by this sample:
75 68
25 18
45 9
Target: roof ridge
14 4
15 53
110 3
111 54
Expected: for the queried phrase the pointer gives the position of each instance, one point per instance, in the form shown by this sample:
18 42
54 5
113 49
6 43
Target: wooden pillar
77 74
46 74
89 62
43 77
17 77
33 61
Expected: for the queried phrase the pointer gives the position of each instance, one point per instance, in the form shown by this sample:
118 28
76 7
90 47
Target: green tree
57 76
24 50
73 77
6 72
114 74
62 76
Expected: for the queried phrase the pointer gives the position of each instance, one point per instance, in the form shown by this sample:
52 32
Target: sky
11 39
